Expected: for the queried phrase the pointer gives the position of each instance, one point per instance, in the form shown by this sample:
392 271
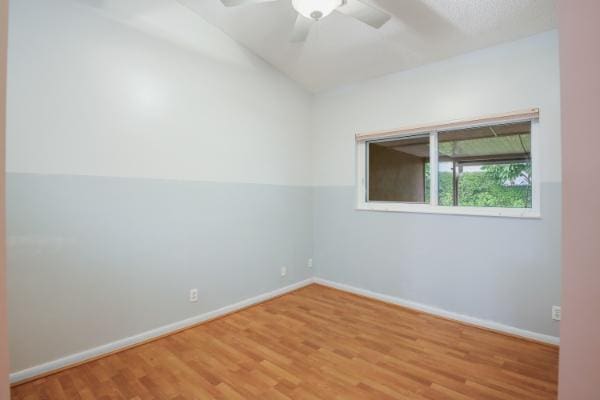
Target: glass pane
445 189
486 167
398 170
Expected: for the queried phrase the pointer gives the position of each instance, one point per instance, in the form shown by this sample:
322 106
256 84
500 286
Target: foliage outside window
485 167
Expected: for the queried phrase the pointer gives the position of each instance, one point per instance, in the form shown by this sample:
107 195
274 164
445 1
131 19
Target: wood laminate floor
316 343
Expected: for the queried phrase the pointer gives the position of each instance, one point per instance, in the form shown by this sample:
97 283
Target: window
486 167
397 169
480 167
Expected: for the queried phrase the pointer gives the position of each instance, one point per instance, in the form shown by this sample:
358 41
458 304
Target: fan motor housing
316 9
316 15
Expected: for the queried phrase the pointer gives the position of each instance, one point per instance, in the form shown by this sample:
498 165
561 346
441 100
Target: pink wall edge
579 31
4 392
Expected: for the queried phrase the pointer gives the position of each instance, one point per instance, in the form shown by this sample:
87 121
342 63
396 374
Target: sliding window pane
486 166
399 170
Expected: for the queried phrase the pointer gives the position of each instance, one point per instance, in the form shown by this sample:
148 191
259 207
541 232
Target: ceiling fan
311 11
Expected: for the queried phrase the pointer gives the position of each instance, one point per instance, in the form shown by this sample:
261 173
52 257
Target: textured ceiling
342 50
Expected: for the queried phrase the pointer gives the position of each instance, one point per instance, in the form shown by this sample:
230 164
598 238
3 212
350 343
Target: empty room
299 199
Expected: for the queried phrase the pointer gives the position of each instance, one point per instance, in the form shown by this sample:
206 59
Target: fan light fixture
310 11
316 9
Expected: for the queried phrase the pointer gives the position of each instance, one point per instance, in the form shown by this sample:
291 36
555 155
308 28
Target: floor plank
316 343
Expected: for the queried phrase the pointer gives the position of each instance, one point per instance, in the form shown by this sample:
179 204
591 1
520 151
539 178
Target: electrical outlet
193 295
556 313
309 264
283 271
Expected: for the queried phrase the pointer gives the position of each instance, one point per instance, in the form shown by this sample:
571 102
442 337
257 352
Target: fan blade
233 3
301 29
364 13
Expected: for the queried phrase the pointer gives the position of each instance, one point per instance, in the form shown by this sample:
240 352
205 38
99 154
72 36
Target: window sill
465 211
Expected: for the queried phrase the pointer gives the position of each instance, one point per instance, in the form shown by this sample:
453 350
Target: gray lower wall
92 259
501 269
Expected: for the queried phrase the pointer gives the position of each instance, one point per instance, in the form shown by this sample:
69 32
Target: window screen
486 166
398 170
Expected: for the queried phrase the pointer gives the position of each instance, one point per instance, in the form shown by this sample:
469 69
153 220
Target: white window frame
433 208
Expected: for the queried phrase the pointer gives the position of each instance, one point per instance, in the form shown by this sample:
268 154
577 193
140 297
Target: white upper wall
167 95
94 95
509 77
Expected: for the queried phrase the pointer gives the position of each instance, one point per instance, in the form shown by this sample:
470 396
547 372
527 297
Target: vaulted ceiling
341 50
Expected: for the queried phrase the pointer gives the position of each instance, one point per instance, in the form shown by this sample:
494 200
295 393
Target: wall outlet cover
556 313
193 295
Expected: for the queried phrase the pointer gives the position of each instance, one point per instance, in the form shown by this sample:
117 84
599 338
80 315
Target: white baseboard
442 313
78 358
